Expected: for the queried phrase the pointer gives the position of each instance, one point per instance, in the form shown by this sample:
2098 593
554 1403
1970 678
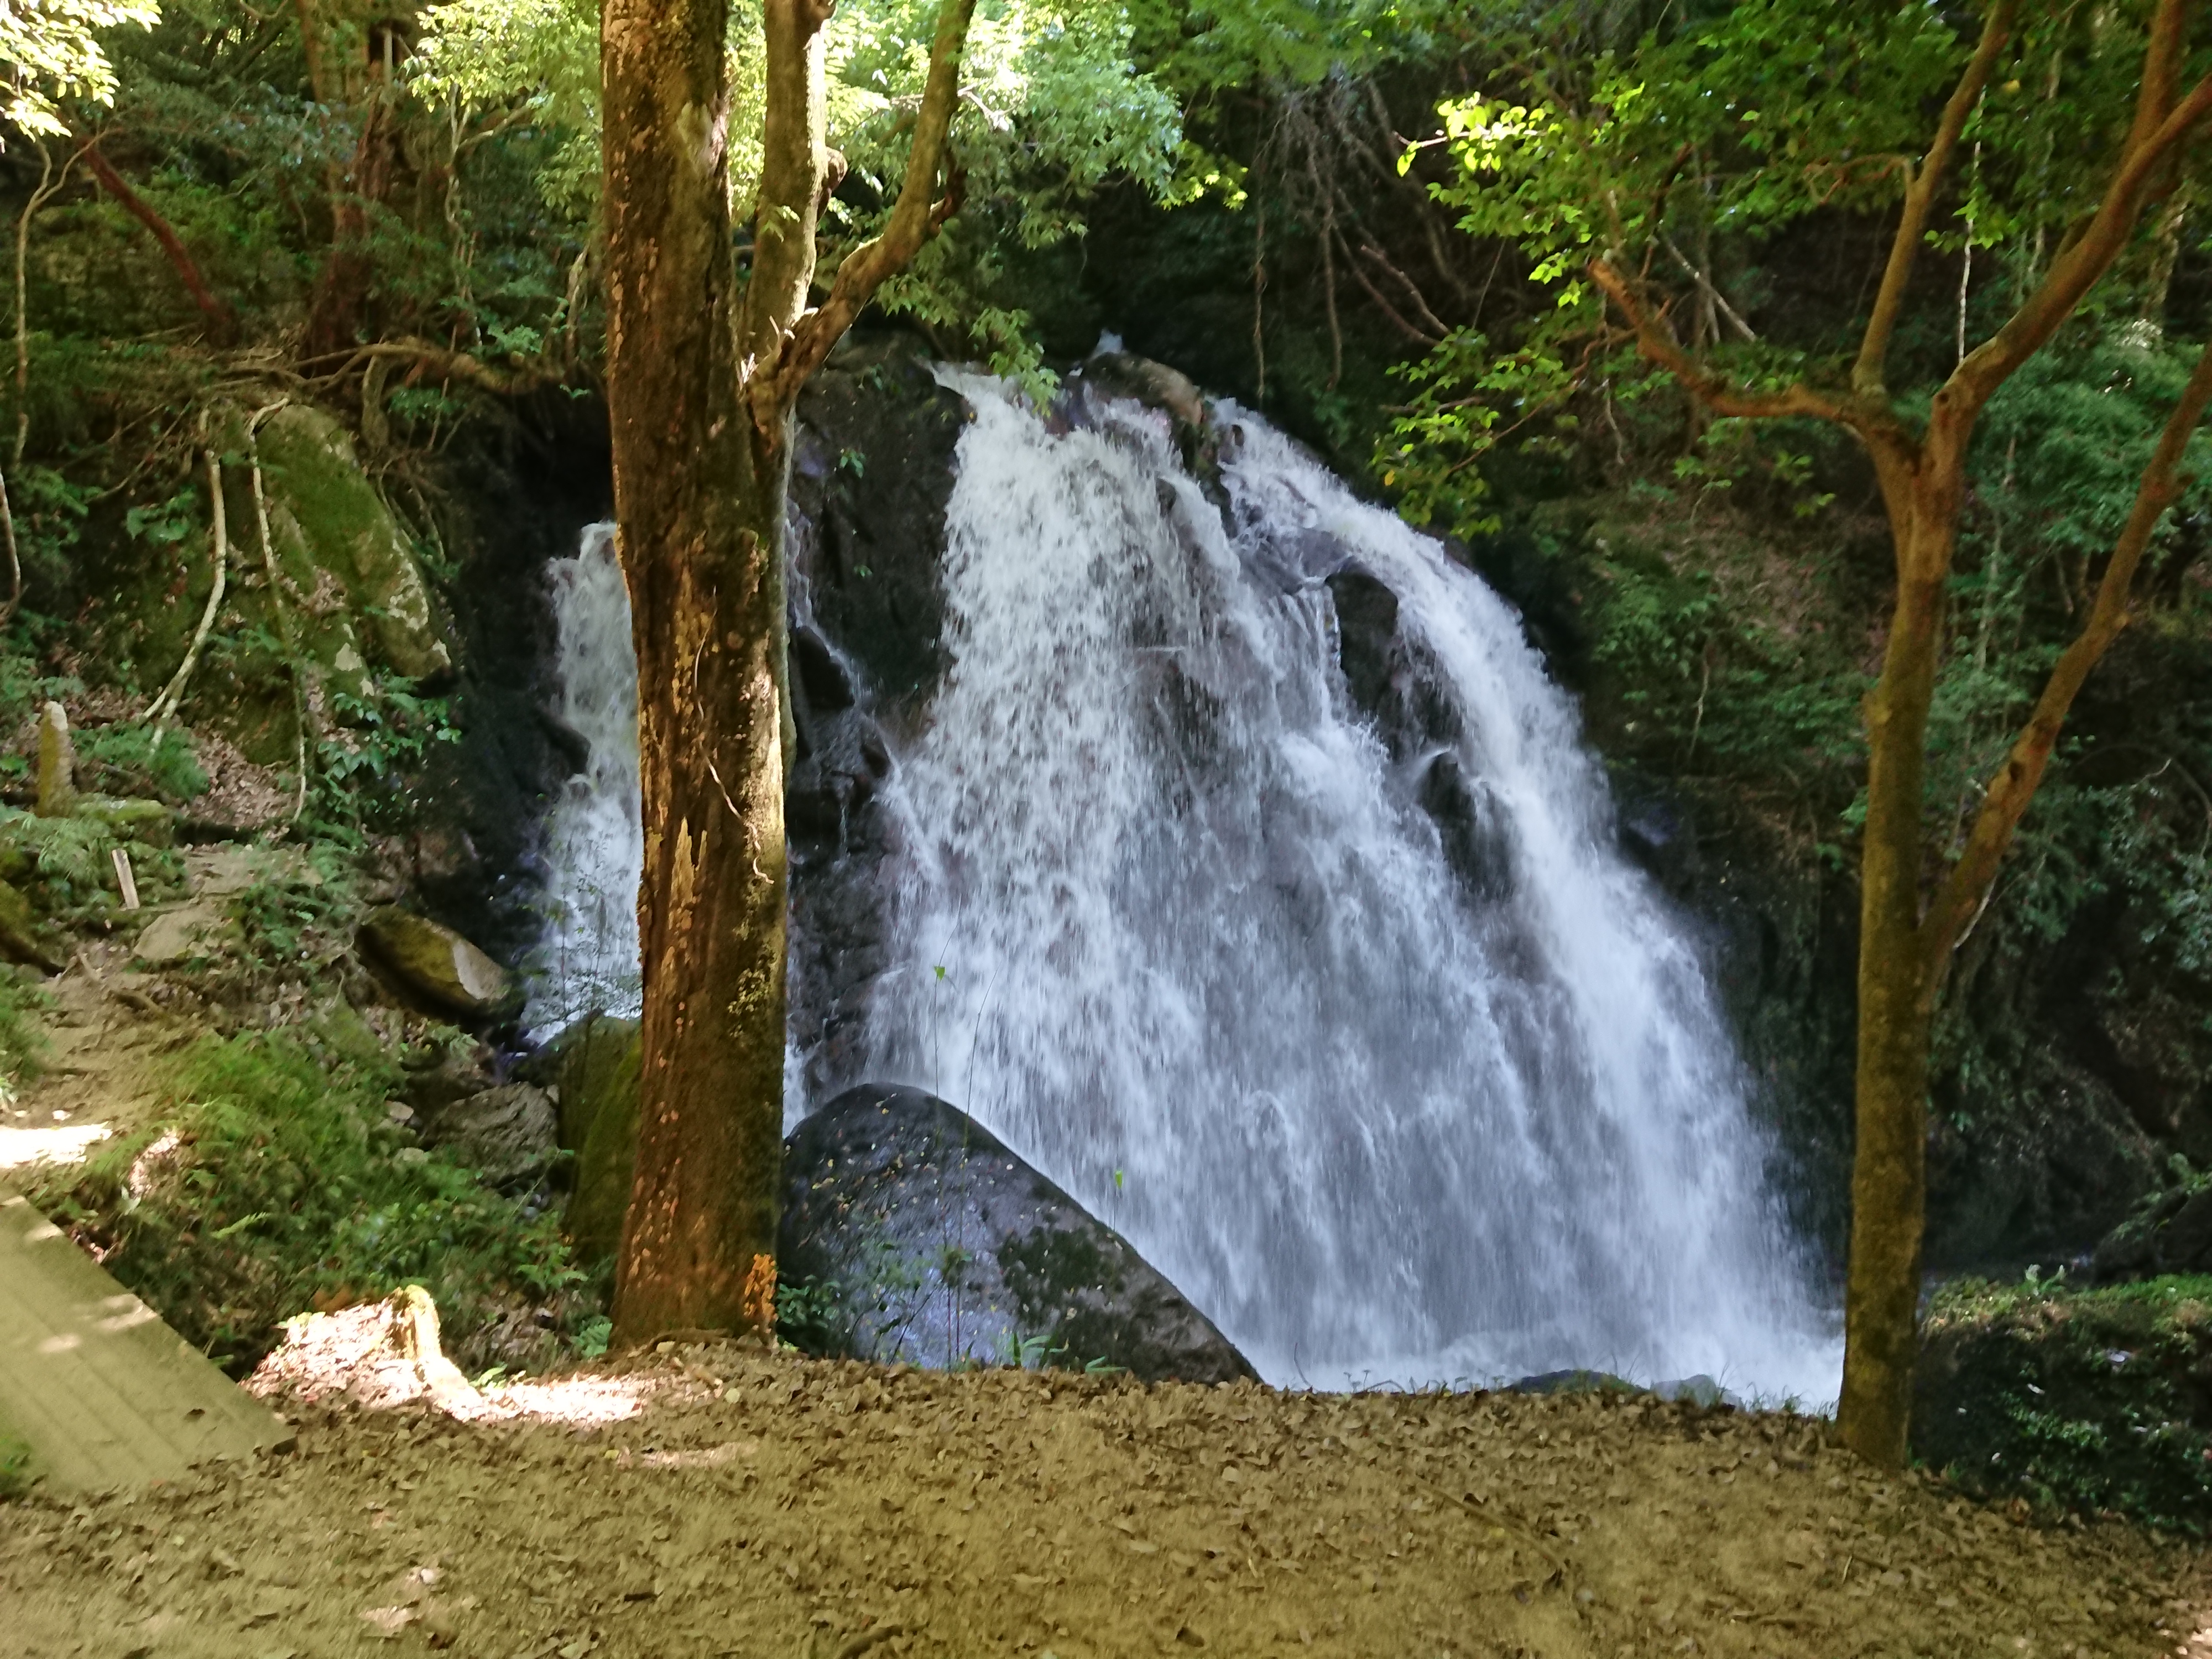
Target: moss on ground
2094 1400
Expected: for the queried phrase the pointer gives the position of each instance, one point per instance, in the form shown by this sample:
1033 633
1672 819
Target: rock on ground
433 962
713 1500
917 1235
506 1133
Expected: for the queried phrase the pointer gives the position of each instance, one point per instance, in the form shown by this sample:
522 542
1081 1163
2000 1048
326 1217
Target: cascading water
594 844
1369 1039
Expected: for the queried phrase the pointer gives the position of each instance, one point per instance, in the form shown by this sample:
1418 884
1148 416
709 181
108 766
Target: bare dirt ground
715 1500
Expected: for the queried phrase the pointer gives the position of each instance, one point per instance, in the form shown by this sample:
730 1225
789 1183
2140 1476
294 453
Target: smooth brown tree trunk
1889 1170
699 497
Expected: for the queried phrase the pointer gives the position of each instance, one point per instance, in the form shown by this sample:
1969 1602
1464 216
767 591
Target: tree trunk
342 293
699 497
1889 1175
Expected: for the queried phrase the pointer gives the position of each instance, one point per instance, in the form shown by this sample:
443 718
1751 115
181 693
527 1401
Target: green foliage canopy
50 51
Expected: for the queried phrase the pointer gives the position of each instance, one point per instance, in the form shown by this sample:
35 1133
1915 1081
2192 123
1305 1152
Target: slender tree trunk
699 495
1889 1175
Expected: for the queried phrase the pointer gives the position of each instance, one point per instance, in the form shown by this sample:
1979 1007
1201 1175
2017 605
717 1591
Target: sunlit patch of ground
55 1142
369 1357
750 1504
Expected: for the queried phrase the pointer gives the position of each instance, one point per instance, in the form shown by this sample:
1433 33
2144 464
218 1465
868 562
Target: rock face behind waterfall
912 1233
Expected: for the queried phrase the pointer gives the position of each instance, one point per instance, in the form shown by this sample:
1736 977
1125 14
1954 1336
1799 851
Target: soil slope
756 1504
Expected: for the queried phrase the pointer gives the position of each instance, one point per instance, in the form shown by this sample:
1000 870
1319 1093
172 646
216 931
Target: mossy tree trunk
1917 902
701 390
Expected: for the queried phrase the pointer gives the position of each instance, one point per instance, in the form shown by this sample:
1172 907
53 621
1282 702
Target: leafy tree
1639 183
705 364
50 50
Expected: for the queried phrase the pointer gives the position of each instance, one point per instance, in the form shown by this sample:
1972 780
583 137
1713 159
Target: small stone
410 1155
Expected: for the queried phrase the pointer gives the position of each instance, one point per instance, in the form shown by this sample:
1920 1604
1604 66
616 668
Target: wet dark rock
1477 845
1156 385
522 488
873 472
874 469
912 1233
1660 838
1388 674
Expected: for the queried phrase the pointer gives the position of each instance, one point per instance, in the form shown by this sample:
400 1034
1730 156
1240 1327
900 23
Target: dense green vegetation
2092 1401
275 1183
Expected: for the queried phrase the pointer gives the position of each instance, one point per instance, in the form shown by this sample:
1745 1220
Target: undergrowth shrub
123 759
14 1465
275 1184
2087 1400
22 1039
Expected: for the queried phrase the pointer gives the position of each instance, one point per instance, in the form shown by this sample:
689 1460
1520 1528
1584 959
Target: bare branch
165 706
916 217
441 363
1967 886
1712 291
1919 198
1658 344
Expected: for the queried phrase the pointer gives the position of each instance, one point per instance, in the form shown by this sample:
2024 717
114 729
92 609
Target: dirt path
763 1506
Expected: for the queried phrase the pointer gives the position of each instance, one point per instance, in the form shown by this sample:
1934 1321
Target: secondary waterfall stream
1360 1029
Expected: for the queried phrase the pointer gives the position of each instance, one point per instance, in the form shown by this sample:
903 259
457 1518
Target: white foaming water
1206 965
594 845
1167 915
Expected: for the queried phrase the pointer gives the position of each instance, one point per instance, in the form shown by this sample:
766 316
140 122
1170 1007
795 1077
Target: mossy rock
148 822
598 1061
352 595
347 529
436 963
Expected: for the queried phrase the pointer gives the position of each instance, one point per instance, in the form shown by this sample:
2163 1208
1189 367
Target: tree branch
1967 885
222 322
2087 257
1919 198
444 364
1658 344
164 707
918 215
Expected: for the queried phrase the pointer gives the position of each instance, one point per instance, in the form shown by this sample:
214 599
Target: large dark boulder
910 1232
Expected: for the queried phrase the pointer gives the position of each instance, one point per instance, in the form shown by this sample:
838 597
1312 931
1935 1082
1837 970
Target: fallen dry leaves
758 1504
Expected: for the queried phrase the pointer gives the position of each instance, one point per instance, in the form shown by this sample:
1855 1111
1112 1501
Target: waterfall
588 957
1331 991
